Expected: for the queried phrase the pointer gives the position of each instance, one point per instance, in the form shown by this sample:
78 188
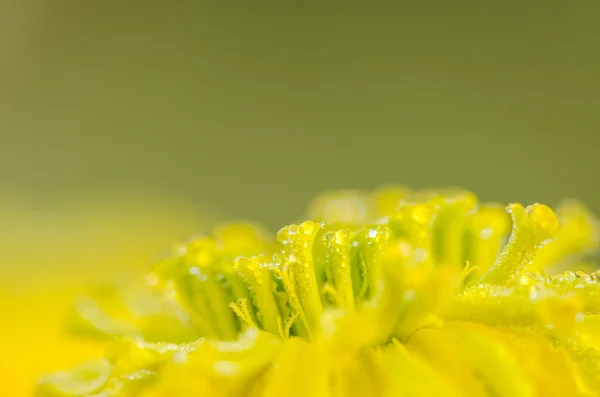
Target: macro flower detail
389 293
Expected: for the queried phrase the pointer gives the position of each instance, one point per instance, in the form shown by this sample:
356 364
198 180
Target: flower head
391 293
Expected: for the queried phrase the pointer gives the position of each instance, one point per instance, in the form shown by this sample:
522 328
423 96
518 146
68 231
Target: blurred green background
250 108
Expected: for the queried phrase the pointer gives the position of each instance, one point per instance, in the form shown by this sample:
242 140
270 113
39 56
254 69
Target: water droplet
486 233
328 236
226 368
525 279
533 293
308 228
569 276
341 237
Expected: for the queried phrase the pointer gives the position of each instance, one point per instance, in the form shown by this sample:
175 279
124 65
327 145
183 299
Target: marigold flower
391 293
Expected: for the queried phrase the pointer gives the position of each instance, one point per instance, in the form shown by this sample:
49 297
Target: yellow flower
392 293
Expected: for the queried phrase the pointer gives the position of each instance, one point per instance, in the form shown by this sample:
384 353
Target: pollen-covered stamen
424 299
204 281
211 296
285 326
465 275
534 301
579 234
532 227
261 286
371 244
414 224
241 310
486 233
450 225
339 267
582 286
297 271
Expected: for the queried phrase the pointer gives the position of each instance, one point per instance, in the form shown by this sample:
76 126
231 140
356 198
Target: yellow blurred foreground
47 257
